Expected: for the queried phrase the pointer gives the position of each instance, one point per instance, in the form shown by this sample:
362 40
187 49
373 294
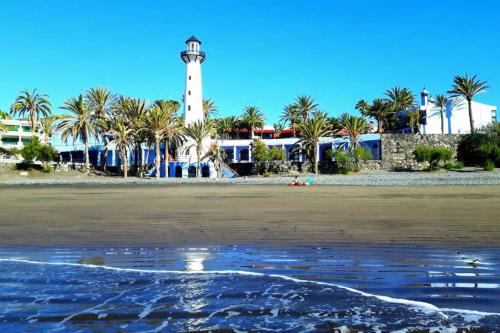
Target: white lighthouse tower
193 107
193 97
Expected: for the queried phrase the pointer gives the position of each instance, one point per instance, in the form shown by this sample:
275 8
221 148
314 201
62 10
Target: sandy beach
249 214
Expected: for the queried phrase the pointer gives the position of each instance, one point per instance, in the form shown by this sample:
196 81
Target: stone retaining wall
397 150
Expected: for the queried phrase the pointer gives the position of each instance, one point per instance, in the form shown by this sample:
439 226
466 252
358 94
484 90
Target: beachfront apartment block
455 115
18 134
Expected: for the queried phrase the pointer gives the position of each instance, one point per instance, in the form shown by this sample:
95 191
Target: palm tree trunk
87 159
471 119
157 157
147 156
138 158
166 158
315 159
379 125
442 121
32 125
252 136
125 163
104 164
198 157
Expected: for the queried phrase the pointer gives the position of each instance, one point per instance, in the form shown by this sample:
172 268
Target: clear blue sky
259 52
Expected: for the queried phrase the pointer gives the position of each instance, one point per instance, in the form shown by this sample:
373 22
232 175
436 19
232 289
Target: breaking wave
65 297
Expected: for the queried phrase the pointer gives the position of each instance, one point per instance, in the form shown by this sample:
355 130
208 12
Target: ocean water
236 289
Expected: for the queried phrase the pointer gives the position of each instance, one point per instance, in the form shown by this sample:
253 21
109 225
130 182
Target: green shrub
422 153
359 154
34 150
489 165
47 168
481 146
453 166
276 154
432 155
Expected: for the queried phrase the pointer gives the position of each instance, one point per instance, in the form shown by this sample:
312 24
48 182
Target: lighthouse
193 97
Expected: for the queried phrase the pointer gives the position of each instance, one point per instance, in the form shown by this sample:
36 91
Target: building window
189 92
189 107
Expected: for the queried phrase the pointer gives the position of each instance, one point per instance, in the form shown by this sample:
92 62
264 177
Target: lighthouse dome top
193 39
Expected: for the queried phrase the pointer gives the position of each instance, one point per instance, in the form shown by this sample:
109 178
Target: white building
455 115
18 134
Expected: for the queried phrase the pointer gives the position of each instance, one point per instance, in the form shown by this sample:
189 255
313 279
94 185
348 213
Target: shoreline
365 178
250 215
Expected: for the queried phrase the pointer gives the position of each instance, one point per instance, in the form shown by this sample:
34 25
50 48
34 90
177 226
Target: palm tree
334 125
223 126
354 127
5 115
278 127
122 137
441 101
401 98
134 113
100 101
209 108
3 127
48 125
173 129
252 118
311 130
379 110
468 87
156 124
305 105
414 119
33 105
199 132
79 125
290 115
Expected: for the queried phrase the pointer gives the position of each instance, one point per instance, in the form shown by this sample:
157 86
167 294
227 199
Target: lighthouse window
189 92
190 77
189 107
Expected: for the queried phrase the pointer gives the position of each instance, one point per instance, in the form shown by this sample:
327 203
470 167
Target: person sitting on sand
296 182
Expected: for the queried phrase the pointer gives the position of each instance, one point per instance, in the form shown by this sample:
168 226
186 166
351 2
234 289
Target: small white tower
193 97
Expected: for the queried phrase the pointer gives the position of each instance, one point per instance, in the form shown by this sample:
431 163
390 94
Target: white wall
456 117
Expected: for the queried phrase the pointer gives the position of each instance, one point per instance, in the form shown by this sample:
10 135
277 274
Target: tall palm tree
122 137
468 87
100 101
134 113
173 129
305 105
354 127
209 108
48 125
79 124
290 115
252 118
278 127
199 132
156 124
441 101
33 105
311 130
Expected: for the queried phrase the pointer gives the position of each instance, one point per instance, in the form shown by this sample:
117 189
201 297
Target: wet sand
207 215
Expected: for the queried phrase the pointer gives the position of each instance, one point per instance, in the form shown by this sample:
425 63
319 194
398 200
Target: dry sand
205 215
